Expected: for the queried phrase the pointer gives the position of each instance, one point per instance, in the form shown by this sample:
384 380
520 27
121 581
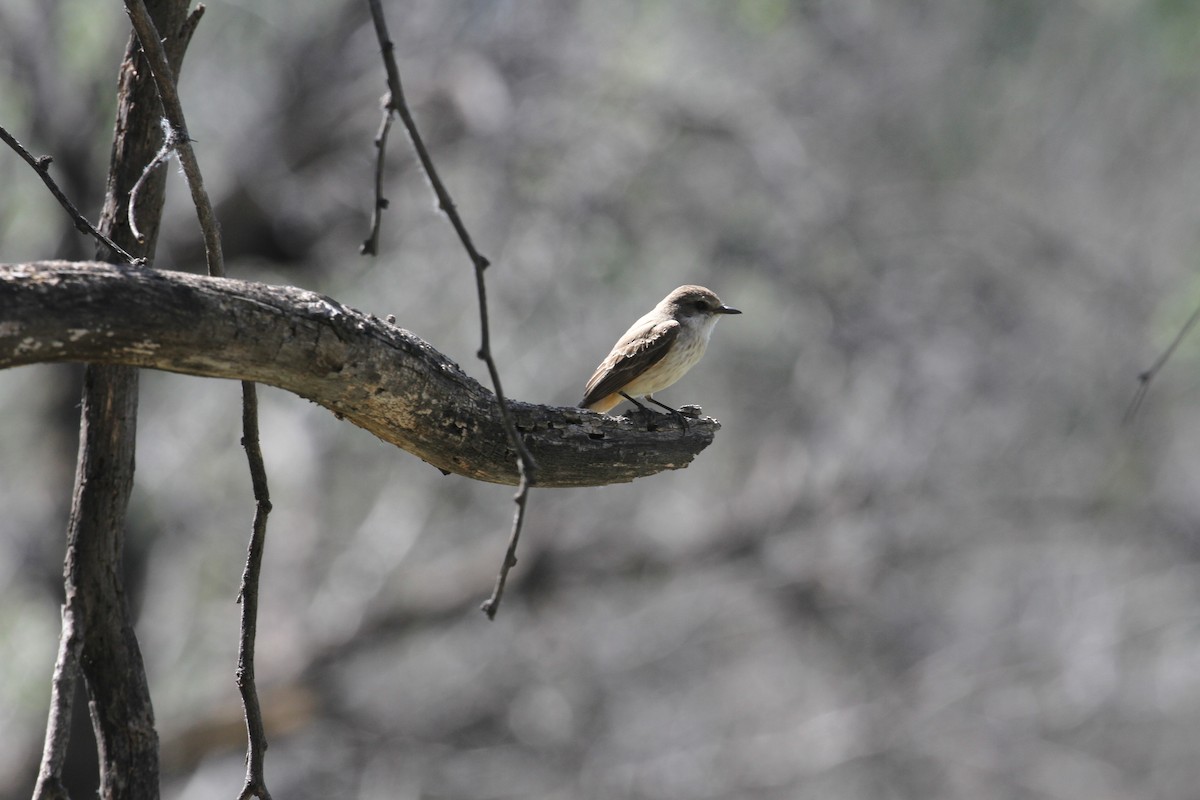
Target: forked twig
42 167
525 463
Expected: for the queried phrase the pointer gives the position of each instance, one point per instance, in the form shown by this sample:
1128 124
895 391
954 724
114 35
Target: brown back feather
631 356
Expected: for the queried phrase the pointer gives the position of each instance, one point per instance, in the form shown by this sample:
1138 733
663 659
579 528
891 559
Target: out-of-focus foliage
923 558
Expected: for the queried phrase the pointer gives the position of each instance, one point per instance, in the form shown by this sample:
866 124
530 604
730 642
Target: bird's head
695 305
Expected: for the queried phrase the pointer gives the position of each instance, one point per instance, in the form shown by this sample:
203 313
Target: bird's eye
701 305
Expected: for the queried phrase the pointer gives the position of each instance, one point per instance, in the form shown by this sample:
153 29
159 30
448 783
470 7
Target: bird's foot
678 413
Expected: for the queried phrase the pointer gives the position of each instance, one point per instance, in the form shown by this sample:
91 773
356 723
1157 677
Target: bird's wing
637 351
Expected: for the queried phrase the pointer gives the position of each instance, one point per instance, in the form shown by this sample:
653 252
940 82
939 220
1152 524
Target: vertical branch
62 692
370 245
492 604
256 745
98 639
526 467
392 101
118 693
164 80
255 785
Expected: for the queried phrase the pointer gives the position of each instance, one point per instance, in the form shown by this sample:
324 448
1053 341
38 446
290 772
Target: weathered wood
96 608
372 373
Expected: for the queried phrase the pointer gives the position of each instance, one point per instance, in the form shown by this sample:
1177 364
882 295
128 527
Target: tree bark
96 608
372 373
118 694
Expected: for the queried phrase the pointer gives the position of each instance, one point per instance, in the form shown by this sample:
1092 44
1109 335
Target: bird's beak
727 310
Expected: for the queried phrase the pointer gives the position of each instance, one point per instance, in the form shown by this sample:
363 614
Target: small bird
657 350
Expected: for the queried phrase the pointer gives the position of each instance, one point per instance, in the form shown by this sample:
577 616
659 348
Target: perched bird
657 351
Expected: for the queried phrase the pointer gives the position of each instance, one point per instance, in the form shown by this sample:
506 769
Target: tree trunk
96 606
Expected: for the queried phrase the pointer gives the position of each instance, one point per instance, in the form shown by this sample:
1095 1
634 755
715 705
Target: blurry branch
1146 377
526 466
375 375
41 165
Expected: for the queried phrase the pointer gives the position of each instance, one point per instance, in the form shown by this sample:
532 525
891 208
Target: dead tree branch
380 377
256 735
96 619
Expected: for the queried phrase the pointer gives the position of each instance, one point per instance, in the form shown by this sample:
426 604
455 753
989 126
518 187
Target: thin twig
525 463
1146 377
256 747
492 604
392 102
62 696
42 167
164 79
397 103
370 245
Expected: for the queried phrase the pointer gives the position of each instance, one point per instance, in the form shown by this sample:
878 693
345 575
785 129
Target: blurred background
924 558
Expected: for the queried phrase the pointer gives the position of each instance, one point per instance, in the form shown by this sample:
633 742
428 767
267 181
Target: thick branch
376 375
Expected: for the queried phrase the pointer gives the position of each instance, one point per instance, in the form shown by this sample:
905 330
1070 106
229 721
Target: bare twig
393 101
175 127
370 245
164 79
42 167
492 604
396 102
256 747
525 463
1146 377
62 694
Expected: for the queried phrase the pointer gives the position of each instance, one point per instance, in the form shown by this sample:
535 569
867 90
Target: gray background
923 558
